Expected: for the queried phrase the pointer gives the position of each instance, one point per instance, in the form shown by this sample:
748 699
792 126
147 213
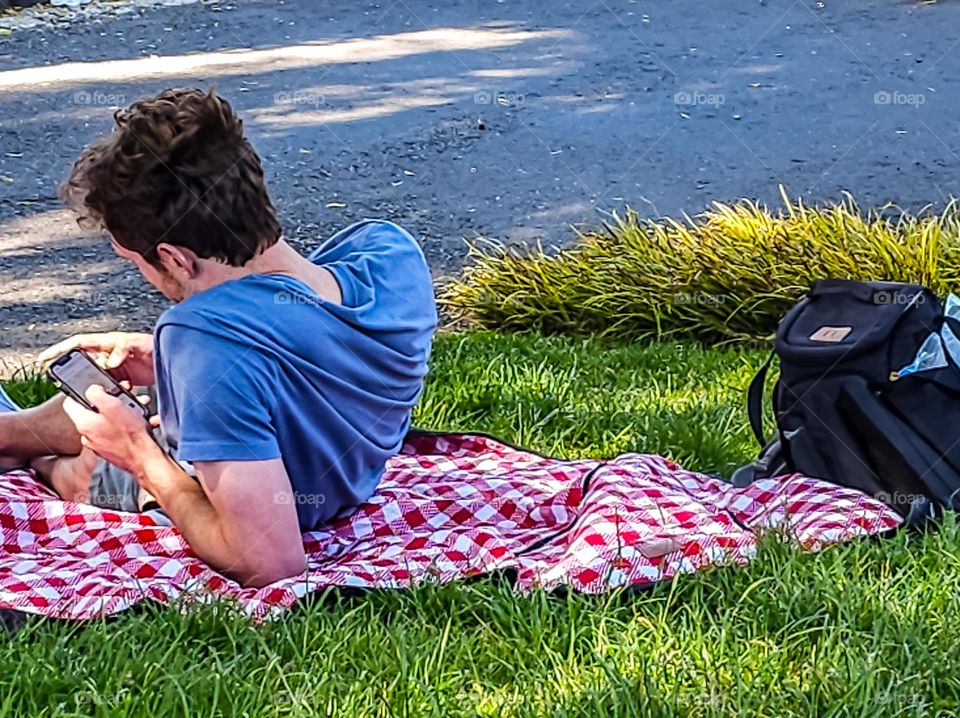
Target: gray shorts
113 488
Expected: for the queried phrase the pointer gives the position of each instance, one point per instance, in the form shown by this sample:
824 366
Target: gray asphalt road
510 119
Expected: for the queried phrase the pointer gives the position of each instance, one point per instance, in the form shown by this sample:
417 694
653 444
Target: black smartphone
75 372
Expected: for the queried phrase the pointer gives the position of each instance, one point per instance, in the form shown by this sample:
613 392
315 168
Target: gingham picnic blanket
450 506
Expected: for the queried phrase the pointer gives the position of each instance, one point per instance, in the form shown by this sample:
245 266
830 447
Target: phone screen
75 372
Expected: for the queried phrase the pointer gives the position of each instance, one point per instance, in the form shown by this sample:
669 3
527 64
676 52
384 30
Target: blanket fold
450 506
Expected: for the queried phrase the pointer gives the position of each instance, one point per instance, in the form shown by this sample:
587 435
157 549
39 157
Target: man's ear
179 262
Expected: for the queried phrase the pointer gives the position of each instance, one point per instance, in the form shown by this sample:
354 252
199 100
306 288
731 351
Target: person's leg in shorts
113 488
45 439
43 430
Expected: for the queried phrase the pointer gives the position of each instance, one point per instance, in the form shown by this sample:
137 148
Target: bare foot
68 475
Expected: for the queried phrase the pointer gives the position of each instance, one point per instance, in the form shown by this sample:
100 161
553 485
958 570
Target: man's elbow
264 570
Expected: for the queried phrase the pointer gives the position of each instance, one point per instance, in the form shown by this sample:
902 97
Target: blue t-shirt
261 367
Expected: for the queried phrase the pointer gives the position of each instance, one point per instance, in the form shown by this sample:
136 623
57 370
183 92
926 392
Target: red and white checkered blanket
449 506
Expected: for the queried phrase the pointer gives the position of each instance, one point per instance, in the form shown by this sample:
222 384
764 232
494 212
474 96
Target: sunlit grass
866 629
588 398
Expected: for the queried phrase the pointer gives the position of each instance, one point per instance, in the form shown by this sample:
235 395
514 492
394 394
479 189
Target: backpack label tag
830 334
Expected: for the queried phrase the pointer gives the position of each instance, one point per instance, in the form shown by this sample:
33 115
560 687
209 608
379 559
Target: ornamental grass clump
727 275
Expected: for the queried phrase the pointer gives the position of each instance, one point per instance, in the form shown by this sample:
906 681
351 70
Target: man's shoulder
195 352
221 304
180 332
214 317
186 317
365 237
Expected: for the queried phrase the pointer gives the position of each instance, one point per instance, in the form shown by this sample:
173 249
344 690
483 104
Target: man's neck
280 258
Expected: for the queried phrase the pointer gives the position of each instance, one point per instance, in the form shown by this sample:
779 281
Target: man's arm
240 518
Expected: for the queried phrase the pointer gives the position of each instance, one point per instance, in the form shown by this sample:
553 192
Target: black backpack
845 415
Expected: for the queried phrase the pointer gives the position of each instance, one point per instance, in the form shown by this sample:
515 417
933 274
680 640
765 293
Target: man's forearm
185 502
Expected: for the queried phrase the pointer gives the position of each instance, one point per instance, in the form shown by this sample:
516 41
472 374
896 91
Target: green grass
860 630
727 275
28 390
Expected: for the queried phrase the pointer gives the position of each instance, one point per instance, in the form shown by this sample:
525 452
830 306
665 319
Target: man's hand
127 356
117 433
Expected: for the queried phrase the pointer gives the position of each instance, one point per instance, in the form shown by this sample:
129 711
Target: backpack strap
755 401
770 463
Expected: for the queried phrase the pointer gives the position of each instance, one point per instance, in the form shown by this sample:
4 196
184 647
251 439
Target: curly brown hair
176 169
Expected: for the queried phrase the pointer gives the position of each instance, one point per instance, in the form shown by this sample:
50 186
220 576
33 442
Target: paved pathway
511 119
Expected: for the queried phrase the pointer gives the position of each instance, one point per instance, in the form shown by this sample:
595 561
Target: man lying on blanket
286 382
